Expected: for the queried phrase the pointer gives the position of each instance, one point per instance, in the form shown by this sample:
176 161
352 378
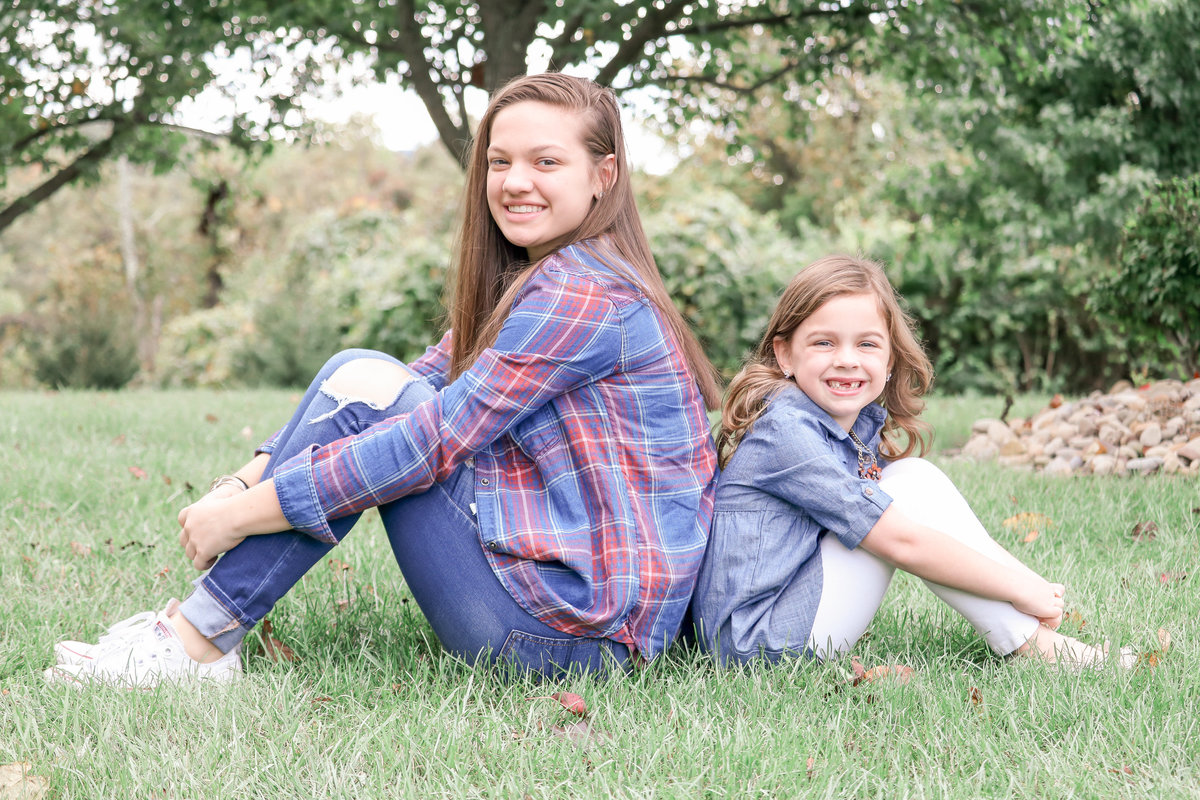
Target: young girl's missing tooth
822 497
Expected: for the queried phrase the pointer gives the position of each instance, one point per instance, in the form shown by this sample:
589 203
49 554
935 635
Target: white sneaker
70 652
147 657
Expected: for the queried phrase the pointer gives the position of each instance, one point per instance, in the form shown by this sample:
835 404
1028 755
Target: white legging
854 581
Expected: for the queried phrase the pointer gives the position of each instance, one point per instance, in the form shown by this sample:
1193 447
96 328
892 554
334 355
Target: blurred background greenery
1027 169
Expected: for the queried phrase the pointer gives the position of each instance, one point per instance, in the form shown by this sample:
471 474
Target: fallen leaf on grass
1124 770
1075 618
1152 658
1172 577
863 675
580 732
137 472
339 566
16 783
162 573
571 702
1029 524
809 766
210 418
976 696
272 647
1144 531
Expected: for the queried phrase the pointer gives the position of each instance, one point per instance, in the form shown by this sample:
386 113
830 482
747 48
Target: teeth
522 209
845 385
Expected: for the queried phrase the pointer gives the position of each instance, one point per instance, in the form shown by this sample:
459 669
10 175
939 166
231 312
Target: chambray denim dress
793 479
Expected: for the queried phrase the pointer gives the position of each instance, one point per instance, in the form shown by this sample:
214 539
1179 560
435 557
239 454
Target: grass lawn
89 487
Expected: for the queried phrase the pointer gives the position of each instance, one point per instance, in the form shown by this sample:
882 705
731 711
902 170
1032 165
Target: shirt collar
869 423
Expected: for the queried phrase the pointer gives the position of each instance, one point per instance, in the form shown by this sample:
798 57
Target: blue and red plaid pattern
594 464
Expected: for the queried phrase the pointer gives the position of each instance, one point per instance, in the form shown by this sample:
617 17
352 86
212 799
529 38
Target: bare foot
194 642
1055 648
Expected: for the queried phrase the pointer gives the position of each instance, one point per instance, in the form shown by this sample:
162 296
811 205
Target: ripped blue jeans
434 536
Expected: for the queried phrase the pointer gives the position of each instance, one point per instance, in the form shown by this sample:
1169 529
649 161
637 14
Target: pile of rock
1144 430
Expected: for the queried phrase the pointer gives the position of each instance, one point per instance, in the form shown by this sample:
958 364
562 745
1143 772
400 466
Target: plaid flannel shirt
594 464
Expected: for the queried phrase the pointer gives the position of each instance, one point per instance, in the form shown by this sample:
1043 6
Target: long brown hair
813 287
490 270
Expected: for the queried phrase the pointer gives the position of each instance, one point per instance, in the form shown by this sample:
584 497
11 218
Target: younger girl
545 472
809 523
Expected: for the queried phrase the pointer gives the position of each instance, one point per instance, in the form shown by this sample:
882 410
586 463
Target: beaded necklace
867 466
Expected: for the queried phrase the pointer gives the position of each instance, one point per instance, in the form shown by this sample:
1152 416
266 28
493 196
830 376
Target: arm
561 335
934 556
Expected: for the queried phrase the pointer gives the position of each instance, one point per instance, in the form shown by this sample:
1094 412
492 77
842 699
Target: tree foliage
99 77
1155 291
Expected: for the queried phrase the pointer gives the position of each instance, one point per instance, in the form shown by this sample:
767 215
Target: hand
1042 599
208 527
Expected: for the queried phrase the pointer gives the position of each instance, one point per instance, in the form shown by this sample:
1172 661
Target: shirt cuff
297 493
874 501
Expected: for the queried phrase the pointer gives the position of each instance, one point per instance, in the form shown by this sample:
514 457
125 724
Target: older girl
809 523
545 473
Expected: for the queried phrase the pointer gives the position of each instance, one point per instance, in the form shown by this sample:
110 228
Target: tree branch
454 137
98 152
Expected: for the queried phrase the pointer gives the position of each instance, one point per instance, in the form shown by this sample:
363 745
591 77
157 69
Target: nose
846 356
517 179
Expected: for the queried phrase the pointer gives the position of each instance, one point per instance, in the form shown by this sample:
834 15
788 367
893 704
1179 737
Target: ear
782 354
606 174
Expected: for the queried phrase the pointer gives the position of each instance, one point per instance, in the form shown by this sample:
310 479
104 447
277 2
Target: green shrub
87 344
1154 295
1019 328
201 348
724 266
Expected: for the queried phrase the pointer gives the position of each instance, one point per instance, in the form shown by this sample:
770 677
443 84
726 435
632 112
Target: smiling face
840 355
541 178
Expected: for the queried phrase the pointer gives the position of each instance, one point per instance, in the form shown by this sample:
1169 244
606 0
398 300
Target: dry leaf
1144 531
1124 770
1073 616
1029 524
1172 577
272 647
137 472
210 417
976 696
570 701
339 566
580 732
809 766
1152 658
862 675
162 573
16 782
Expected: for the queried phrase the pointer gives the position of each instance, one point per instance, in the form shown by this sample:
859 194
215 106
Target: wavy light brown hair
813 287
490 270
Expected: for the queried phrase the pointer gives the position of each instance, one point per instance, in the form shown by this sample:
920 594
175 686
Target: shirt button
868 491
491 545
485 482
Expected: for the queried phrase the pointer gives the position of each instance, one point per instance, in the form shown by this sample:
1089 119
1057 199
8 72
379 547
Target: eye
497 163
546 162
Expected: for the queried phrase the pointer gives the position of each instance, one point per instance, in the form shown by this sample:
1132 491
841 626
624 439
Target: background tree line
1026 167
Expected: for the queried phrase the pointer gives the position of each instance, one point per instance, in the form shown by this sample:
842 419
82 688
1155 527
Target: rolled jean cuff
212 617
